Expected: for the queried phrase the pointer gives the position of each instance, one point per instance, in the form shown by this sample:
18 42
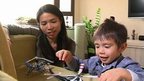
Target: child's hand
64 55
117 74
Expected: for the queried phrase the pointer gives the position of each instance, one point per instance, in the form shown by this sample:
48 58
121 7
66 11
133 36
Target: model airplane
43 65
76 77
38 64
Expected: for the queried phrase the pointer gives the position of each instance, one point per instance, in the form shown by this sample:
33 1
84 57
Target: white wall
117 8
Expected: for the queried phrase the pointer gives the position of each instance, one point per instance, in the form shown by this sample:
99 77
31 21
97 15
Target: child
109 63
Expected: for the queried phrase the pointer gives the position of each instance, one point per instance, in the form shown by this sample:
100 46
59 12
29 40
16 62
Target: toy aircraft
38 64
76 77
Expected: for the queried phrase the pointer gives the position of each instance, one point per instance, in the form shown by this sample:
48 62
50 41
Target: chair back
6 59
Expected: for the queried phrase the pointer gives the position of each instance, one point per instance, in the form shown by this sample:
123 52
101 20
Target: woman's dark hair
111 30
49 8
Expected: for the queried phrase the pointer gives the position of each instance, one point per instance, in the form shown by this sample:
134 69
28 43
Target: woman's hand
64 55
116 74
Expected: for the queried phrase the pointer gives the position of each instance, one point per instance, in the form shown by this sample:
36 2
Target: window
13 9
67 7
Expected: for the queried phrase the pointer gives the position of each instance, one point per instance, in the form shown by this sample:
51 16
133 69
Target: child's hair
112 18
111 30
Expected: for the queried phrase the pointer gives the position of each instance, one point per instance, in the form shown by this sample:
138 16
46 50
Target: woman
52 35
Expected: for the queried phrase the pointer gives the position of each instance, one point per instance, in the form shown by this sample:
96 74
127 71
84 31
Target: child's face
107 50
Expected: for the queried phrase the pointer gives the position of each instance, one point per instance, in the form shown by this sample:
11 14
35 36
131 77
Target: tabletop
47 76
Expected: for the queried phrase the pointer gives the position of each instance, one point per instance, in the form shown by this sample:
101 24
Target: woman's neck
53 43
